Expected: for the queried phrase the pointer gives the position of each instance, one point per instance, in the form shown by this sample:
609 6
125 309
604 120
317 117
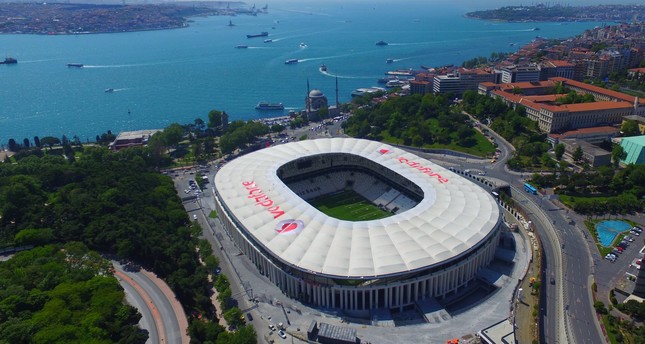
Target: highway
164 320
567 313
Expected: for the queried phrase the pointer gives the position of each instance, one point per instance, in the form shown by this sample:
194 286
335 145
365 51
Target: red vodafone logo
383 151
289 227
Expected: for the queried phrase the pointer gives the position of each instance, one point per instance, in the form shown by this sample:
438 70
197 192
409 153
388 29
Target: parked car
271 327
194 216
282 334
249 316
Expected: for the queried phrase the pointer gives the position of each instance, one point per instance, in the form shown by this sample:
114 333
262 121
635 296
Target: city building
553 68
635 148
132 139
443 229
592 154
609 107
461 80
514 73
594 135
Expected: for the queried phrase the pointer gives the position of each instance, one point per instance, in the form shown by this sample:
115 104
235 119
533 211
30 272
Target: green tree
617 154
233 316
172 134
49 141
577 154
630 128
559 151
215 119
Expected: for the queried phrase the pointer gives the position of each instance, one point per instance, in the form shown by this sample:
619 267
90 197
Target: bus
530 189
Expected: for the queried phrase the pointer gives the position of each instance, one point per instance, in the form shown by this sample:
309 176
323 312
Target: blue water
608 230
161 77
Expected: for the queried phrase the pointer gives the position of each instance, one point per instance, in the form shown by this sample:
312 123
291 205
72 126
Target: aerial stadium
356 225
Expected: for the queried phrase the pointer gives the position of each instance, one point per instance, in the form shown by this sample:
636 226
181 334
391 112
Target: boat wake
327 73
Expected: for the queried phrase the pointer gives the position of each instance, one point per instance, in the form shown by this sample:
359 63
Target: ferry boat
389 61
291 61
396 83
323 68
359 92
268 40
269 106
9 60
75 65
241 46
400 72
386 79
261 34
381 43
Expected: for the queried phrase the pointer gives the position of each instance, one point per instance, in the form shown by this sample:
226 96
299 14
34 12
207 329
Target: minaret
337 92
639 287
308 100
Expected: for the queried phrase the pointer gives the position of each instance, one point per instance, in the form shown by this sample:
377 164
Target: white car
282 334
194 216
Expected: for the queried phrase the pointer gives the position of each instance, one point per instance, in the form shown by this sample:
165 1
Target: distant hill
610 13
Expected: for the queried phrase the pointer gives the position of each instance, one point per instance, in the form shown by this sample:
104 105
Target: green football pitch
349 206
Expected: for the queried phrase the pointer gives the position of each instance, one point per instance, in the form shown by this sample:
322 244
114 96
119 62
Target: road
161 313
562 242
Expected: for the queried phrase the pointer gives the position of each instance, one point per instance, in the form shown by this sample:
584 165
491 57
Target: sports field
348 205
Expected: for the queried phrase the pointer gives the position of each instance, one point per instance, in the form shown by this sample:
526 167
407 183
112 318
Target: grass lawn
349 206
482 148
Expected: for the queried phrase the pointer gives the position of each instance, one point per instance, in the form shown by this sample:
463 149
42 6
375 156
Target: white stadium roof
454 215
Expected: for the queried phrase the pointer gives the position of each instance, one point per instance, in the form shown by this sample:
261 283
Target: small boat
323 68
302 45
241 46
389 61
387 79
381 43
396 83
268 40
75 65
269 106
230 23
9 60
261 34
291 61
536 29
109 90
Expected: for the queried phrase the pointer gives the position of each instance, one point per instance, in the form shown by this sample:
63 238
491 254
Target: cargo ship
9 60
269 106
261 34
75 65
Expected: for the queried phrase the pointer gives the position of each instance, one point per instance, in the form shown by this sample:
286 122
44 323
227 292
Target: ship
386 79
291 61
261 34
269 106
109 90
268 40
75 65
359 92
323 68
381 43
302 45
536 29
389 61
241 46
9 60
230 23
401 72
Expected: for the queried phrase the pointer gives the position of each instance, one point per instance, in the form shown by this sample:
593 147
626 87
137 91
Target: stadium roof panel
454 215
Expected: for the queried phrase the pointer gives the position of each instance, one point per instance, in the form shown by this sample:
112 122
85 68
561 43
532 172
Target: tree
617 154
630 128
37 141
25 142
199 124
233 316
49 141
577 154
559 151
214 119
13 146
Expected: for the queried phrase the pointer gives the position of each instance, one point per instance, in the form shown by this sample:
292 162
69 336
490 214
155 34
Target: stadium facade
442 231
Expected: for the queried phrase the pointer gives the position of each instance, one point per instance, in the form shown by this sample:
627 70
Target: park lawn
349 206
483 147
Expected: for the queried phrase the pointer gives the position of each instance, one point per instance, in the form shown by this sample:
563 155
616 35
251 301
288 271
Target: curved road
163 317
